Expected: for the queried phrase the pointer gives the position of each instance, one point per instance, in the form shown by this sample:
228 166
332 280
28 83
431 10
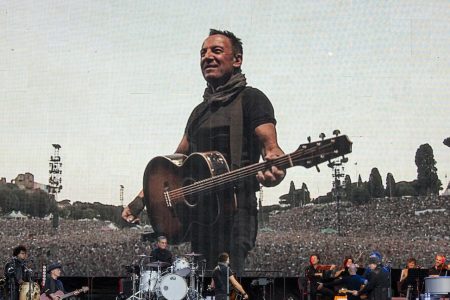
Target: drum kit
183 279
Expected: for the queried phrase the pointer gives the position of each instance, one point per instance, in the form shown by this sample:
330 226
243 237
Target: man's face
56 272
22 255
372 266
162 244
217 60
439 260
314 260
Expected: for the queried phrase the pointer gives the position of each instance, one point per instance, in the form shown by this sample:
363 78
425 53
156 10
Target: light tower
55 165
338 185
121 195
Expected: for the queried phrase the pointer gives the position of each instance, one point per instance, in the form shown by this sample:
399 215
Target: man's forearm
137 205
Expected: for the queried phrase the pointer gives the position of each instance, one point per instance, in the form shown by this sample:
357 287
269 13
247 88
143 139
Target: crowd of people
399 228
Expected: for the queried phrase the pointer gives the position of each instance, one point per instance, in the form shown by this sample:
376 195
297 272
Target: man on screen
214 126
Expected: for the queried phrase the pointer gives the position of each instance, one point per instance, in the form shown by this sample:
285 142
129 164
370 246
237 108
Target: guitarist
239 122
353 282
222 277
52 283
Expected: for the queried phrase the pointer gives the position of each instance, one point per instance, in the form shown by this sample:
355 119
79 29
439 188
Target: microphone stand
11 273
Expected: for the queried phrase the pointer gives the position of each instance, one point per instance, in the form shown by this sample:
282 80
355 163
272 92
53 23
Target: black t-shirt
163 255
52 286
438 271
208 129
221 275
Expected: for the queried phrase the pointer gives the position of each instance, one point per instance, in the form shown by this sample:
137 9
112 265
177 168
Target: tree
427 178
390 185
404 188
360 194
348 187
375 186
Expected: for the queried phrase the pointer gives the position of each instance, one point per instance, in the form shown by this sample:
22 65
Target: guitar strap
236 131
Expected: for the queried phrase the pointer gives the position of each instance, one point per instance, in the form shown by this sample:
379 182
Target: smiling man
239 122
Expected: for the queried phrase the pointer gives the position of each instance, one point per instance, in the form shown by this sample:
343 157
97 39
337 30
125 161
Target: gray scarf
229 90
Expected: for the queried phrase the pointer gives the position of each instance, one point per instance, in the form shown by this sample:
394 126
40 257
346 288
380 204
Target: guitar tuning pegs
336 132
322 136
308 139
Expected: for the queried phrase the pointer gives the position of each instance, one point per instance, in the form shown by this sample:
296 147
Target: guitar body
171 212
57 293
61 294
198 190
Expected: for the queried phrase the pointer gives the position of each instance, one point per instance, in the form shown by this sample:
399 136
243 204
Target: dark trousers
235 234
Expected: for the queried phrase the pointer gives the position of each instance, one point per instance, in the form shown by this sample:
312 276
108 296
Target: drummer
161 253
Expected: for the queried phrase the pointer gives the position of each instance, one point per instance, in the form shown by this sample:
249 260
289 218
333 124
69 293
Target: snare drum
171 286
24 291
148 281
181 267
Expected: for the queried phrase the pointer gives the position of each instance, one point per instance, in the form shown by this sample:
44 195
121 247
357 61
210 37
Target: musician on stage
411 263
343 272
222 277
239 122
15 272
316 274
439 268
352 282
408 284
52 283
161 253
379 282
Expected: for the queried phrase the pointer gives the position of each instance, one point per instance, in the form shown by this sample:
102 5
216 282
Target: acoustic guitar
180 190
61 295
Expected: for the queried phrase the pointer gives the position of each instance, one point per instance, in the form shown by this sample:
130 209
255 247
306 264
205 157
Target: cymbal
193 254
157 264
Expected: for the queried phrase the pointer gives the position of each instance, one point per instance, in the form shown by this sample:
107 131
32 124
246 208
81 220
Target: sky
113 82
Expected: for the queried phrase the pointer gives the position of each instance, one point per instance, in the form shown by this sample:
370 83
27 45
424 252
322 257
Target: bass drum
171 287
24 291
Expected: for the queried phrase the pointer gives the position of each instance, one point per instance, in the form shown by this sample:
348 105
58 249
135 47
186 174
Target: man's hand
320 286
355 293
272 176
54 297
267 135
128 216
245 296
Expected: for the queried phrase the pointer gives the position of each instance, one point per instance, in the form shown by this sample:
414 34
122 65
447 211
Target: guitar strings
225 178
229 177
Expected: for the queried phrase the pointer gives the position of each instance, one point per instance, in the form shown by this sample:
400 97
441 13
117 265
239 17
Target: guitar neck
68 295
307 155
